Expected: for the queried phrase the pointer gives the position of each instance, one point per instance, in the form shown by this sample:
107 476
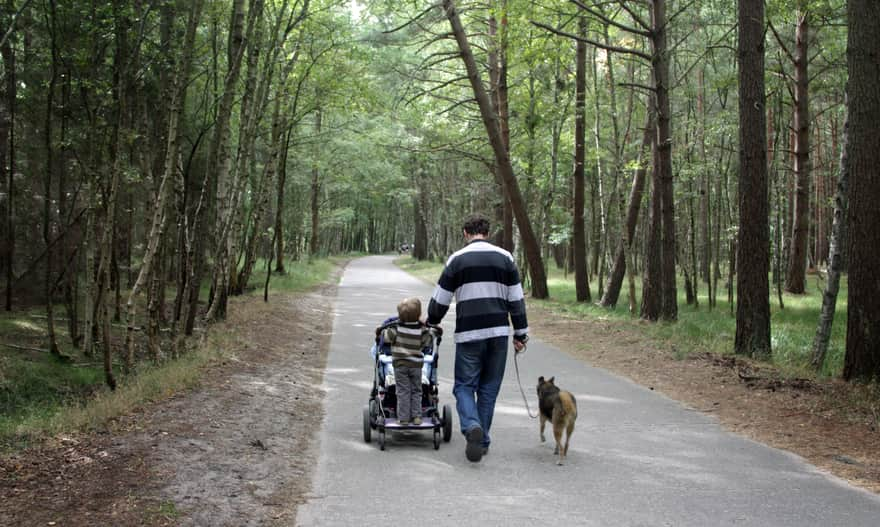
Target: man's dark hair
477 224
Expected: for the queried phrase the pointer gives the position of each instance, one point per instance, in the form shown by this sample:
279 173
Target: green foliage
40 395
701 330
299 276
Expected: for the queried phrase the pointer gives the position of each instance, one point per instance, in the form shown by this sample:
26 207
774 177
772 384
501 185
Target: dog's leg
543 421
558 419
568 430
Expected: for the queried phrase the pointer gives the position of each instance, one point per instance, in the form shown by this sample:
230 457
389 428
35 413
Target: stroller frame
377 416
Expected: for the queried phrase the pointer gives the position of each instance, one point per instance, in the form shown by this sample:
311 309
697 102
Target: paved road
637 458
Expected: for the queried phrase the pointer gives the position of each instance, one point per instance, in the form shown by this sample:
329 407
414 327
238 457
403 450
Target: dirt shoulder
824 422
239 450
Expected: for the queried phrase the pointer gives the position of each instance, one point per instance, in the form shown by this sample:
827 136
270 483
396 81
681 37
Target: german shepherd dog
560 408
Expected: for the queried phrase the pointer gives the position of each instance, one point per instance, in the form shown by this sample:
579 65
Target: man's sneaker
417 421
474 449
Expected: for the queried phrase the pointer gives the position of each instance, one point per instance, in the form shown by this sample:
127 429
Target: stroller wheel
437 438
382 439
447 423
372 413
367 425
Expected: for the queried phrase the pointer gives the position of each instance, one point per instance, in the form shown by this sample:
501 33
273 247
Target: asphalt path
636 458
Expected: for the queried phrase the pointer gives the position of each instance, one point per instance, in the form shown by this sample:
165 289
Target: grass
299 276
701 329
165 510
41 396
426 270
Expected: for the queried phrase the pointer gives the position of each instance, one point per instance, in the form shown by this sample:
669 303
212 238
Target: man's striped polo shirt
485 283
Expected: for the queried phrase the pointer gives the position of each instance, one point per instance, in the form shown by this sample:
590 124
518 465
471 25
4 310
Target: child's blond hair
409 310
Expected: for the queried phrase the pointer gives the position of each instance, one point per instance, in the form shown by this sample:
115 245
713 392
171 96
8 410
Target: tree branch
636 18
12 22
609 21
684 8
616 49
649 89
412 20
781 43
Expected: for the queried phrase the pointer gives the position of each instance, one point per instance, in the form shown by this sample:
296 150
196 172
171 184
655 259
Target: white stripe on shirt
442 296
483 333
475 290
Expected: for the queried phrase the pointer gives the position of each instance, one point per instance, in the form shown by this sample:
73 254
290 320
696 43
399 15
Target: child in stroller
381 412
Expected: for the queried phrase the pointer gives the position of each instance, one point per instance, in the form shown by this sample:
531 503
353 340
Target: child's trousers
409 392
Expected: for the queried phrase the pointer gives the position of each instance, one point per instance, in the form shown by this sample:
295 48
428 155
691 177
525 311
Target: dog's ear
541 380
551 379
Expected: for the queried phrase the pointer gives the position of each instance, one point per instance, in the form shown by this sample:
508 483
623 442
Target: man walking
485 283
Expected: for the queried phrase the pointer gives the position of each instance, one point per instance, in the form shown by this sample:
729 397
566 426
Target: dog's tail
569 405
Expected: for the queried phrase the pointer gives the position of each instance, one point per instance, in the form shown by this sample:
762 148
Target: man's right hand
519 346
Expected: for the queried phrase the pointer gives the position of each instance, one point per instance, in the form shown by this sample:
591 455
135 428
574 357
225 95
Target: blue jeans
479 369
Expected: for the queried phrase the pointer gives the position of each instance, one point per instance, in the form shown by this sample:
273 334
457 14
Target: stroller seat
386 366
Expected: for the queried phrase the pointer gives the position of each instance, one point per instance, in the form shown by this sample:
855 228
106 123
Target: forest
159 156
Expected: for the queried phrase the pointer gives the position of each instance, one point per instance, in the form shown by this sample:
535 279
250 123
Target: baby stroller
380 413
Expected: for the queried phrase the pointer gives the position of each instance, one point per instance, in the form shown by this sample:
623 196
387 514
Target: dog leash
519 382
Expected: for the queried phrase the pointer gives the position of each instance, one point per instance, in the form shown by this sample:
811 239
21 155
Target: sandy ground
237 451
832 424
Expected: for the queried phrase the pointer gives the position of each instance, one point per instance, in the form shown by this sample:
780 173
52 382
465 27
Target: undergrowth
42 396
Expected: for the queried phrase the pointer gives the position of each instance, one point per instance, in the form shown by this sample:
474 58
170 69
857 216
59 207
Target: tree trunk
624 246
652 293
7 158
752 258
279 206
705 185
490 121
253 105
660 59
838 235
159 219
261 203
219 162
504 123
581 278
420 211
47 187
797 259
314 203
862 359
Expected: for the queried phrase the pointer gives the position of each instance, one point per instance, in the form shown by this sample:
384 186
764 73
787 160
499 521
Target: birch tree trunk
276 147
838 235
219 161
159 218
252 107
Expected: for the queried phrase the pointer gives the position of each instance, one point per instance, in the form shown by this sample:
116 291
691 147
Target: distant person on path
485 282
408 340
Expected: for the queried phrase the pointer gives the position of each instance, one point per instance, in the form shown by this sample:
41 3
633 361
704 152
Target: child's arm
390 335
428 337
